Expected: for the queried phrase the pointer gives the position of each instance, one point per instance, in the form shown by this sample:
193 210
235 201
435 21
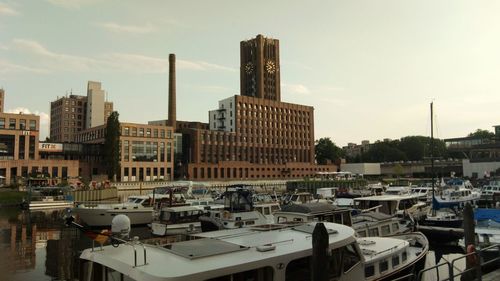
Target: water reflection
37 246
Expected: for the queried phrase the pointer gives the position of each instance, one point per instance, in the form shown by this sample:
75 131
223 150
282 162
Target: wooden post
469 239
320 255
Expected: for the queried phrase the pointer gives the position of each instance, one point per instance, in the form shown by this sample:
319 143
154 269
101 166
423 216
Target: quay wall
108 194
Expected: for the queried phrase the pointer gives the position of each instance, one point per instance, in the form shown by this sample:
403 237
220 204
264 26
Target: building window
22 124
148 133
2 123
126 131
12 124
155 133
141 132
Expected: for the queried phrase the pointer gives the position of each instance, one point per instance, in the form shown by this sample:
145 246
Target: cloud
71 4
7 67
125 62
121 28
55 61
296 89
44 119
6 10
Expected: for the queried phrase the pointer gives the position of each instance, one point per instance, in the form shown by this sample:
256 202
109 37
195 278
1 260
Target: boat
487 227
488 191
260 253
302 198
47 197
401 205
379 224
456 194
177 220
310 212
139 209
443 222
239 211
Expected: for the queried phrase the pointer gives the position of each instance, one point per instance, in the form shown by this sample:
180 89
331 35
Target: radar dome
120 225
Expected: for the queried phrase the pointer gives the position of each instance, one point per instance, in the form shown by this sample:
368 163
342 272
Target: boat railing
473 273
134 243
95 203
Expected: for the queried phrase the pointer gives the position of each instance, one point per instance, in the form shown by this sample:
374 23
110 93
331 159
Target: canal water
38 246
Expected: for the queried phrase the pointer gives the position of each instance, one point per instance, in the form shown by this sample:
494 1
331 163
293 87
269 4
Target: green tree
327 150
384 152
485 134
112 146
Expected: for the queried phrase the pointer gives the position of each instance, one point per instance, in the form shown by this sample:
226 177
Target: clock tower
260 68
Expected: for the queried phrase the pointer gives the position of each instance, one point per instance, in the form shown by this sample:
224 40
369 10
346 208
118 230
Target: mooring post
470 242
320 256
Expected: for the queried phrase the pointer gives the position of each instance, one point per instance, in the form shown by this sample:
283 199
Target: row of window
23 124
383 266
147 132
228 173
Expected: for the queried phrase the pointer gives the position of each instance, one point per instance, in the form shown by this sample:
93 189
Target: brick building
253 135
146 151
20 150
71 114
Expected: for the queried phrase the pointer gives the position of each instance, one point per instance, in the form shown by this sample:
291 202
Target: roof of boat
373 247
386 197
180 208
373 215
315 207
217 253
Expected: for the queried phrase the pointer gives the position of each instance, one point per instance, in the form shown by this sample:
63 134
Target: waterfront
38 246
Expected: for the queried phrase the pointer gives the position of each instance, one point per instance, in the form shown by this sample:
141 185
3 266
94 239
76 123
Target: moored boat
262 253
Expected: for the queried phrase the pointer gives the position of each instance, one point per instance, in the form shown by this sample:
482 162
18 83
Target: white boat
266 253
48 197
455 196
379 224
239 211
177 220
393 205
138 208
310 212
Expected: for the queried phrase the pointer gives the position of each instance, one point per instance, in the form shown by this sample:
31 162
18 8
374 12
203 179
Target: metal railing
473 273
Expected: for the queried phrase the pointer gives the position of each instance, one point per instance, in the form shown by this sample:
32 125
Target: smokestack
171 91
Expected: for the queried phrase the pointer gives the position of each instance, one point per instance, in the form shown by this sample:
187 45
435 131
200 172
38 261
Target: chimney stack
171 92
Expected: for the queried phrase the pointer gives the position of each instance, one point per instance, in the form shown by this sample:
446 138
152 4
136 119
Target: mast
432 156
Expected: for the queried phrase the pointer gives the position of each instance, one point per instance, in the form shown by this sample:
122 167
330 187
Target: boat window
362 233
299 270
395 261
404 256
369 270
386 230
297 219
260 274
281 219
374 232
275 208
350 257
249 222
267 211
165 216
384 265
395 227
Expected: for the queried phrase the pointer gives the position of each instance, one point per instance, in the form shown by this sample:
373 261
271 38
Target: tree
484 134
327 150
112 146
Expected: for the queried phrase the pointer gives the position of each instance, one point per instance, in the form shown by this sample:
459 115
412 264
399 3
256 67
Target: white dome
121 225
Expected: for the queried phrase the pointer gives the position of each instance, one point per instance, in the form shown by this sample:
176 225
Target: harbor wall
108 194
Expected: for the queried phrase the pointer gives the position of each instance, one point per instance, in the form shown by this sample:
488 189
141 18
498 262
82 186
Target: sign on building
50 147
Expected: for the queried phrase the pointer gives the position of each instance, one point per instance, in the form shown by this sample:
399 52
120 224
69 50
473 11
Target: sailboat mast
432 153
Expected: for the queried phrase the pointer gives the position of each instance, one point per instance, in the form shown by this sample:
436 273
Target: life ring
472 255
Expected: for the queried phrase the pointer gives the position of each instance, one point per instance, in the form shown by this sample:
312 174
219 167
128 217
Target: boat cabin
309 212
182 214
387 204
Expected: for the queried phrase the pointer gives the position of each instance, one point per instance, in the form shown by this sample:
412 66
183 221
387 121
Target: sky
369 68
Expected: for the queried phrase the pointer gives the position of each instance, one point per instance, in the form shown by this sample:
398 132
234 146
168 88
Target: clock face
249 67
270 67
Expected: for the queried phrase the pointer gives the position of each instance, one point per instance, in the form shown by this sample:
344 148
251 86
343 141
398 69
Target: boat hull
103 217
43 205
162 229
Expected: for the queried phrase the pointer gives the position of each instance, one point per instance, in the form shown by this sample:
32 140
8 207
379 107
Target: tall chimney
171 91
